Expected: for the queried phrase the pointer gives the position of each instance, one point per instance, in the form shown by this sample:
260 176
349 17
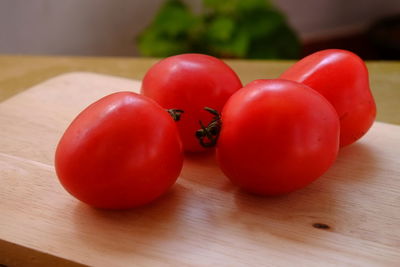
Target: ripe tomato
120 152
191 82
277 136
342 78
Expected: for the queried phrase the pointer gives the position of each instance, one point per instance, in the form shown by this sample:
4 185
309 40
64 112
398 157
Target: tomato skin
191 82
342 78
277 136
120 152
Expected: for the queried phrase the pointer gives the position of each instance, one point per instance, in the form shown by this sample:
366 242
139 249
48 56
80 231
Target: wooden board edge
65 76
16 255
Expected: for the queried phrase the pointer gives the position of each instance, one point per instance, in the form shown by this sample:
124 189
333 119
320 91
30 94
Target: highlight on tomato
120 152
191 82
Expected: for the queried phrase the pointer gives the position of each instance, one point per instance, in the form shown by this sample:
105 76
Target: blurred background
256 29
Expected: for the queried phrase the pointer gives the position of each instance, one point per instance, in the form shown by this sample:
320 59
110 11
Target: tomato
191 82
120 152
277 136
342 78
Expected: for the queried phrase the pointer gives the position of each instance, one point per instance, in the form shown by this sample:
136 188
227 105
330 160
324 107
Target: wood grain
203 220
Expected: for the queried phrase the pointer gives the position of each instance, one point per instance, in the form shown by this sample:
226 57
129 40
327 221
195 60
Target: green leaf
282 43
253 5
262 22
170 32
174 18
155 45
220 29
235 7
228 28
236 47
221 6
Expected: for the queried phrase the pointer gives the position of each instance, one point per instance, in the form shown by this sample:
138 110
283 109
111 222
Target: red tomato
277 136
120 152
342 78
191 82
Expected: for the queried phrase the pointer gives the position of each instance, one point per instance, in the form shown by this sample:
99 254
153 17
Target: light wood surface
203 220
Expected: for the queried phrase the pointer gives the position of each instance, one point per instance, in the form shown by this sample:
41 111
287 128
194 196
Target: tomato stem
211 131
175 113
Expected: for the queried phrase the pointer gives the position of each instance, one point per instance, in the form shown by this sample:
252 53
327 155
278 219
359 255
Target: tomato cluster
271 136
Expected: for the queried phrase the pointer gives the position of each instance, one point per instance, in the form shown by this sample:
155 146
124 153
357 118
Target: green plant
225 28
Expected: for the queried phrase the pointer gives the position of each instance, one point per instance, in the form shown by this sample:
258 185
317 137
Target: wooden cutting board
203 220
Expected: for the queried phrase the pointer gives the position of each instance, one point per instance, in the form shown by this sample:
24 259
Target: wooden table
18 73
